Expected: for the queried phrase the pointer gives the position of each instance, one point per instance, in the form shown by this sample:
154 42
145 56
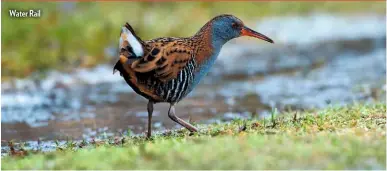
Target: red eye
234 25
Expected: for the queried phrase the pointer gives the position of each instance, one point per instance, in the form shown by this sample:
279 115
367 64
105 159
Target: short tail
131 46
128 38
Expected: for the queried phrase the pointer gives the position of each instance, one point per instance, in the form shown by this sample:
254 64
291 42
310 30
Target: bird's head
227 27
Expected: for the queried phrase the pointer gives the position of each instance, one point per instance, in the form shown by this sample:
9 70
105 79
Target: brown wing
166 59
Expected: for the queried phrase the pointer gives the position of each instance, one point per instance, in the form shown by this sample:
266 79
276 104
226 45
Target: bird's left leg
171 114
150 112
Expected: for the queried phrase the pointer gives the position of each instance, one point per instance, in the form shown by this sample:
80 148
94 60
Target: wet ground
317 61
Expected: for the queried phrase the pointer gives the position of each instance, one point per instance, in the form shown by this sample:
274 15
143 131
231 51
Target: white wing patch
134 43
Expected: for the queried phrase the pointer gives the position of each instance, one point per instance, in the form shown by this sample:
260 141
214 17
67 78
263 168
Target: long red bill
248 32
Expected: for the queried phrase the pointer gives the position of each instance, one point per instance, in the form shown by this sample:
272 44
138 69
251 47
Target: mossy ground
352 137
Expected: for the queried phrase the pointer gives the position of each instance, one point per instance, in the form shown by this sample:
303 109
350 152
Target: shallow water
317 61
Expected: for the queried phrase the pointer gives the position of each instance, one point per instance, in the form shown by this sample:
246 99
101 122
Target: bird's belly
176 89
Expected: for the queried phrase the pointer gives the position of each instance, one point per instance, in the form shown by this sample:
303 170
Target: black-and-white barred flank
176 89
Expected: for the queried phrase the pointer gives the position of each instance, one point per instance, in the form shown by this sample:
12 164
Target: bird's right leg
171 114
150 112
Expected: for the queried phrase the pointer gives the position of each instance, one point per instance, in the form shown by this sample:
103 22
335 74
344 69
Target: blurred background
57 80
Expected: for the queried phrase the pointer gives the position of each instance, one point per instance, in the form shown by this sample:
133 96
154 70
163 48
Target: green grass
352 137
64 40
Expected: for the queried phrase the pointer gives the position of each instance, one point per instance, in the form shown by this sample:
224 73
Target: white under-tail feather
133 42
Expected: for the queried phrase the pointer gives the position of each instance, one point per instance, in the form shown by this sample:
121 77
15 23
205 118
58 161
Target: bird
167 69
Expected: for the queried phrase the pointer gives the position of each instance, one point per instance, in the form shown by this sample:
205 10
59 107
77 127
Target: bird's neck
208 44
210 37
207 49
